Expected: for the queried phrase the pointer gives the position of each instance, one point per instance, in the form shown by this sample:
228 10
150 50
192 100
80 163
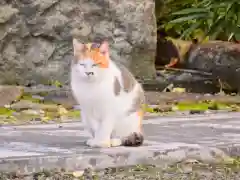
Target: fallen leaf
175 108
62 110
179 90
45 118
77 173
173 62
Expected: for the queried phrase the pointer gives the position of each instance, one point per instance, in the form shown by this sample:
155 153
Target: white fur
103 114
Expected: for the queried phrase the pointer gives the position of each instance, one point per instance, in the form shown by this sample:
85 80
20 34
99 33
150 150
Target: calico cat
110 97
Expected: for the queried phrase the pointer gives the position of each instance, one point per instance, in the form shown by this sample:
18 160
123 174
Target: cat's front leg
103 133
90 125
86 124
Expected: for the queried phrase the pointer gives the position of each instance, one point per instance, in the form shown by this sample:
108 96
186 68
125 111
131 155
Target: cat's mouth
89 78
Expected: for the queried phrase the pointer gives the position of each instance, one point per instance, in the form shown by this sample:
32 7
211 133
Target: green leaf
237 36
216 27
205 3
168 26
229 7
230 36
210 16
190 11
233 30
188 18
191 29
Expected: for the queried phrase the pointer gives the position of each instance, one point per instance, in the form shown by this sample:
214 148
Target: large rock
35 36
204 67
9 94
221 59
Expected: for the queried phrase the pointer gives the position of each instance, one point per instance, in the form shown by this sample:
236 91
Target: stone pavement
29 148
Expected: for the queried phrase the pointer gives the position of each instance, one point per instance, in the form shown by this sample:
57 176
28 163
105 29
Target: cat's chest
95 102
97 94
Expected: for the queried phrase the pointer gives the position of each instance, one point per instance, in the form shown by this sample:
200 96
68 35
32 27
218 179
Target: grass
6 111
192 106
57 113
30 98
178 171
183 106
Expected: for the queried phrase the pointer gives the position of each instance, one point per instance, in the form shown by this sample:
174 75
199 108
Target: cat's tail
134 139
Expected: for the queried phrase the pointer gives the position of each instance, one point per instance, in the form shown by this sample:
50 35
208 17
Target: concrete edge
29 165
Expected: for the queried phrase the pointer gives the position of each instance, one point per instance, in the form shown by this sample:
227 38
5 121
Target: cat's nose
89 73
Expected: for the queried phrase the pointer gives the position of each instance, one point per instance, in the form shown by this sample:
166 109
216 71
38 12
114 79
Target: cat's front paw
89 142
98 144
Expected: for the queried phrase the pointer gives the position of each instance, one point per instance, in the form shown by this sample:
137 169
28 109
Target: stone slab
208 137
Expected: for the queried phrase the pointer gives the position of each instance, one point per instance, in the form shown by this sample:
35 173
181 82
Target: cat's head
90 60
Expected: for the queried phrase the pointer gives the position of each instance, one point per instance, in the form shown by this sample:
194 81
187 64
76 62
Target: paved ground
202 137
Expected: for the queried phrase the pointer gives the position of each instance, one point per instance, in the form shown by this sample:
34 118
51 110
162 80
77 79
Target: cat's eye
82 64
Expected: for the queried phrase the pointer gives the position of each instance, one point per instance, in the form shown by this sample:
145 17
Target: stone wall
36 35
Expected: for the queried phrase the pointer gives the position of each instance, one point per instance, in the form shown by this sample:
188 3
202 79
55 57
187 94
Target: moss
73 114
201 106
55 113
8 120
191 106
55 83
43 93
27 96
51 115
6 111
23 117
149 109
177 171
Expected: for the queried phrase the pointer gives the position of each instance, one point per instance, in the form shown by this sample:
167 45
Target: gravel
180 171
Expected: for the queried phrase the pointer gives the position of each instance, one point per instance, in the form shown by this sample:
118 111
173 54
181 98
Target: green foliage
216 19
55 83
5 111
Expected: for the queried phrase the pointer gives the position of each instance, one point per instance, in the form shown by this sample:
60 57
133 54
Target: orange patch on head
96 55
91 51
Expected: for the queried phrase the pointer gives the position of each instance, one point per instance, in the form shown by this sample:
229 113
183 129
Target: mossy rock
9 94
27 104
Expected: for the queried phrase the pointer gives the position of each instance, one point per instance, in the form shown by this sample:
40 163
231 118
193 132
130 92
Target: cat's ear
104 48
78 47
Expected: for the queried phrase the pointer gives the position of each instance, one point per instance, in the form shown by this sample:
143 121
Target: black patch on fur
135 139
